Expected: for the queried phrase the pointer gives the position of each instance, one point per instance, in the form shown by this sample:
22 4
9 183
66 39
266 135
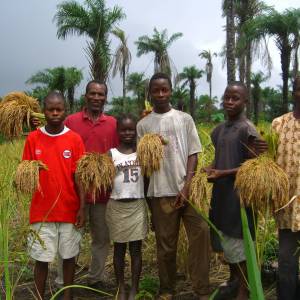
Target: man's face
95 98
234 100
160 92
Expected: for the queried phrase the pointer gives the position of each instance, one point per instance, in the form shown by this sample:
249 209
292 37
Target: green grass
15 265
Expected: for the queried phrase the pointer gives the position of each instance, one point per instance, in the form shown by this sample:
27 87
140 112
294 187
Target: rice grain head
27 176
261 182
15 112
95 172
150 152
200 191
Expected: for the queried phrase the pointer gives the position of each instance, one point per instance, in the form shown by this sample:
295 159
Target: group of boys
235 141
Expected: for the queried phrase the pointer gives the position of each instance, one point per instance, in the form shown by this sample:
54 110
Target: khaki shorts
233 248
48 239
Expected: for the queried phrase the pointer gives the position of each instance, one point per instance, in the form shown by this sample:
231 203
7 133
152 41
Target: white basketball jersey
129 182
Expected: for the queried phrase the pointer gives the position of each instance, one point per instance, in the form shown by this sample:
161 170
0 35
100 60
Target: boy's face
296 92
127 131
54 111
235 99
96 97
160 93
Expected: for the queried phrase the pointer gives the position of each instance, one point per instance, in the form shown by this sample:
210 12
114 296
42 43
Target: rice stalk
27 176
16 109
94 173
271 137
200 191
150 151
260 181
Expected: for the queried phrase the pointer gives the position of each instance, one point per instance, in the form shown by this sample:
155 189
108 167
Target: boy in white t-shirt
168 191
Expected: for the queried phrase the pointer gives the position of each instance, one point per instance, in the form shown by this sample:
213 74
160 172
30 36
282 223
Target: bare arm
183 195
80 218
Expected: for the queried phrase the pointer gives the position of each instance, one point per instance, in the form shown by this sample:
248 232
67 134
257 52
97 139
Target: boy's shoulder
73 134
240 125
34 134
173 113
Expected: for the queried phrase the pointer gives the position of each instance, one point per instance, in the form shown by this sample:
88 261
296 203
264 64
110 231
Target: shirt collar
240 118
101 118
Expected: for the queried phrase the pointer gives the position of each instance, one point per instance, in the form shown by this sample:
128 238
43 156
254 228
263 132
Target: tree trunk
296 61
71 92
248 79
230 41
285 57
124 86
210 101
192 99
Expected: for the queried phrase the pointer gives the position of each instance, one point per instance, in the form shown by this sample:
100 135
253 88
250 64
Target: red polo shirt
99 136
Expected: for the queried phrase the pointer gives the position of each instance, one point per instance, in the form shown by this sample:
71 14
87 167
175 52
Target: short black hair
160 75
54 94
96 81
239 84
125 116
296 82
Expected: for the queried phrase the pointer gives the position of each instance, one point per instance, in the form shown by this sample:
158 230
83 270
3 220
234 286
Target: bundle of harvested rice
150 151
16 109
200 191
95 172
27 176
261 182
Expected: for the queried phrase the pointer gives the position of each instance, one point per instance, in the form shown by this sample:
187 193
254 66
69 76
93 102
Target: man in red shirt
98 132
56 212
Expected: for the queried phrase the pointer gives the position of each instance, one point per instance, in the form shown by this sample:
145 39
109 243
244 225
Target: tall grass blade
254 279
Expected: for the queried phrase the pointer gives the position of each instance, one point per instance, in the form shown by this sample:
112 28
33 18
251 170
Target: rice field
16 268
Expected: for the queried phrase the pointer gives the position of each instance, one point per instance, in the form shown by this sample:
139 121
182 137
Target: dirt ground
219 273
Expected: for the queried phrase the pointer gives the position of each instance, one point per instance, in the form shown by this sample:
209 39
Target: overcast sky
28 41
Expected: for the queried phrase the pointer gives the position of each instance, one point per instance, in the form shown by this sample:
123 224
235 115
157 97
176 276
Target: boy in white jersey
168 191
126 212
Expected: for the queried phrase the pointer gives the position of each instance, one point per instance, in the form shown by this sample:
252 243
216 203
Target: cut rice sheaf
95 172
16 109
150 152
260 182
27 176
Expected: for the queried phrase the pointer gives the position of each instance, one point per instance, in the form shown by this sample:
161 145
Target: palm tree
180 97
246 49
137 84
158 44
284 28
73 78
190 75
122 58
228 11
206 54
95 21
256 80
63 79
